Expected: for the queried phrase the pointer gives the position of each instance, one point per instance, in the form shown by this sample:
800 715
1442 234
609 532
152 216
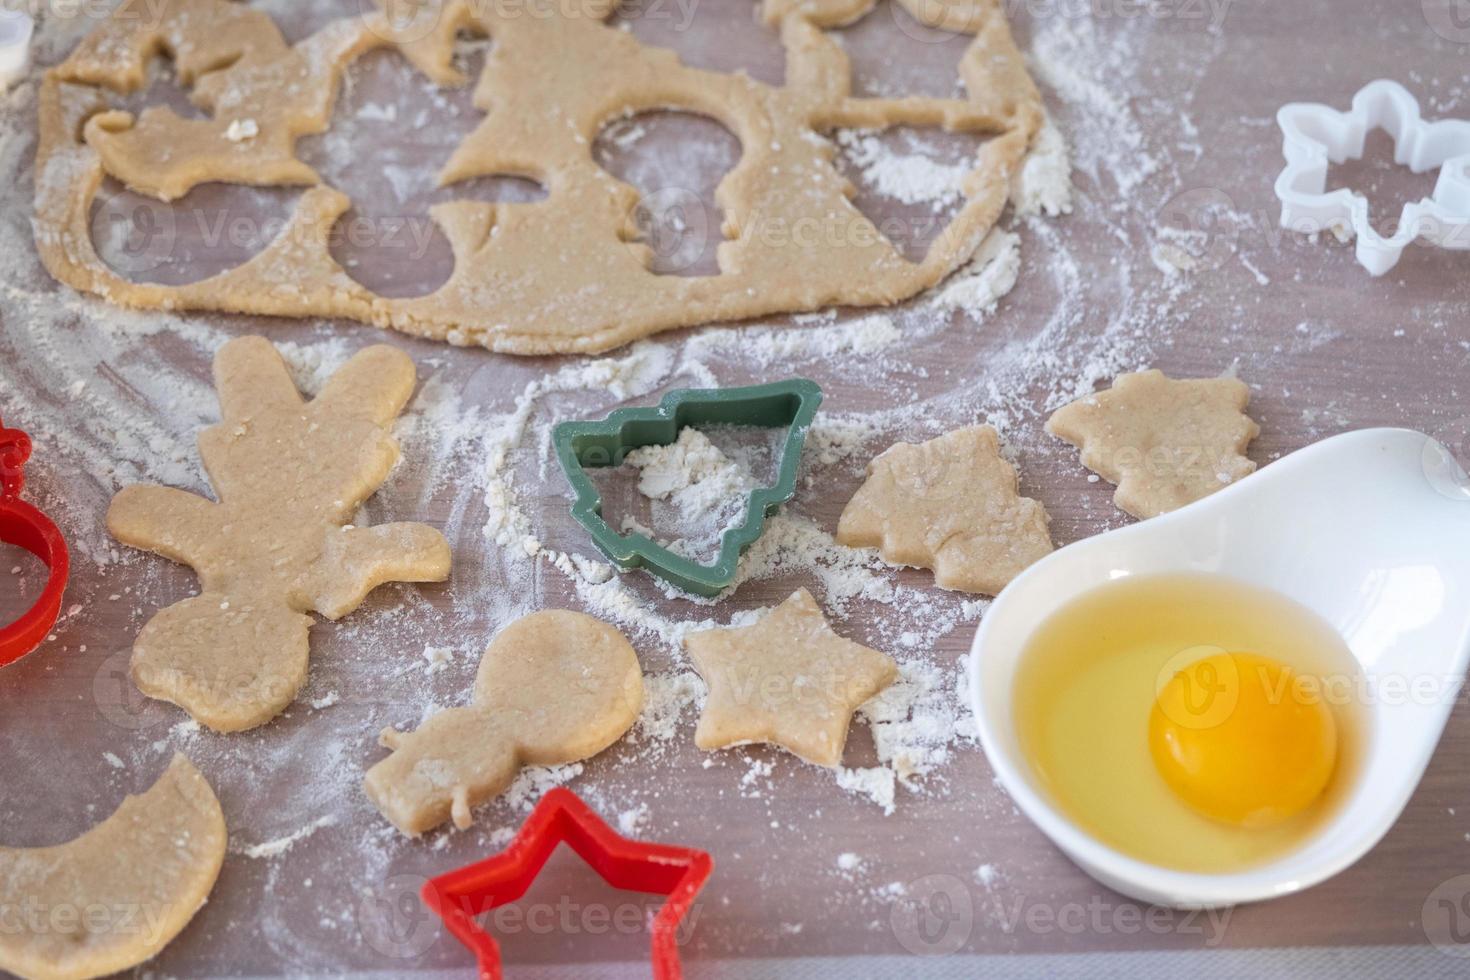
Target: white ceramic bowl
1371 530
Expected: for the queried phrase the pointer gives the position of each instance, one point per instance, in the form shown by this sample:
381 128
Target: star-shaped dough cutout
787 680
951 504
1164 442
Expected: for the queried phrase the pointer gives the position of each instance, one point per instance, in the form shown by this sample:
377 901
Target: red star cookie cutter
678 872
26 527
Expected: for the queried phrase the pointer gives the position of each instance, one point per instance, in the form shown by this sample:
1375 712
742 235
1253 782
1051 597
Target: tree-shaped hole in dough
212 229
726 37
676 160
894 54
387 240
908 181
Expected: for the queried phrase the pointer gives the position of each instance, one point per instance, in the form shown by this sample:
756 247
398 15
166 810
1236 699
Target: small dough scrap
553 687
289 475
787 680
118 894
951 504
1165 443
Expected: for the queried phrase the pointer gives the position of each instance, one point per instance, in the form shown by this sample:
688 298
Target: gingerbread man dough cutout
1164 442
553 687
290 475
787 679
950 504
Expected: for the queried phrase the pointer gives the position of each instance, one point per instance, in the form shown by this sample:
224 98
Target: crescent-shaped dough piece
118 894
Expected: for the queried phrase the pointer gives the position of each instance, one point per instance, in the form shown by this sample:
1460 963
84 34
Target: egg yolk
1241 741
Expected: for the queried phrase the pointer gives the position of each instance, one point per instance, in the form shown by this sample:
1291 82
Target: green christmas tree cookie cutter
791 404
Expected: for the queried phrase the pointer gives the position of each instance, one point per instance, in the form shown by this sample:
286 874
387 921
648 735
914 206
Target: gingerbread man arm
174 523
374 385
359 559
250 375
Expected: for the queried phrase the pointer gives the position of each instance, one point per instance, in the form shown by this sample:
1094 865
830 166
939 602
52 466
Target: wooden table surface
1170 112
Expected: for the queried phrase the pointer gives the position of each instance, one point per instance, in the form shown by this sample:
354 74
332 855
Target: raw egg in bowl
1235 701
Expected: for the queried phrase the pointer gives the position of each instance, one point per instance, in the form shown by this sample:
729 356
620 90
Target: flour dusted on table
954 356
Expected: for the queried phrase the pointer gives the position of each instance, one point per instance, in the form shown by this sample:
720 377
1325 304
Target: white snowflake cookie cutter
1315 135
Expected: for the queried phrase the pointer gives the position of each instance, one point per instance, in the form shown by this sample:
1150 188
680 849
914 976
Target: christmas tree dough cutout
787 680
1163 442
289 475
553 687
951 504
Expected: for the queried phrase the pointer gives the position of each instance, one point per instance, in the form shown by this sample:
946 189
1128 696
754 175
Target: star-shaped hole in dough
787 680
1164 442
951 504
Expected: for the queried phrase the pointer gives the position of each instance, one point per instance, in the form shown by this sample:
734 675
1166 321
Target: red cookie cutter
678 872
28 528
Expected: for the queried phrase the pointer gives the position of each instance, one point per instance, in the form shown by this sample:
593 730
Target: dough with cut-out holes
950 504
1164 442
787 679
118 894
290 475
563 274
553 687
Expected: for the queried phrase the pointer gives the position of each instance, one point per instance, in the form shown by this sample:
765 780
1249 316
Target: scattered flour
240 130
704 491
1044 183
629 821
981 284
909 178
532 783
437 659
280 845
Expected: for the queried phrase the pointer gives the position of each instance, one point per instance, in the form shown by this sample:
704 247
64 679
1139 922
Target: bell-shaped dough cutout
210 230
676 160
117 895
553 687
